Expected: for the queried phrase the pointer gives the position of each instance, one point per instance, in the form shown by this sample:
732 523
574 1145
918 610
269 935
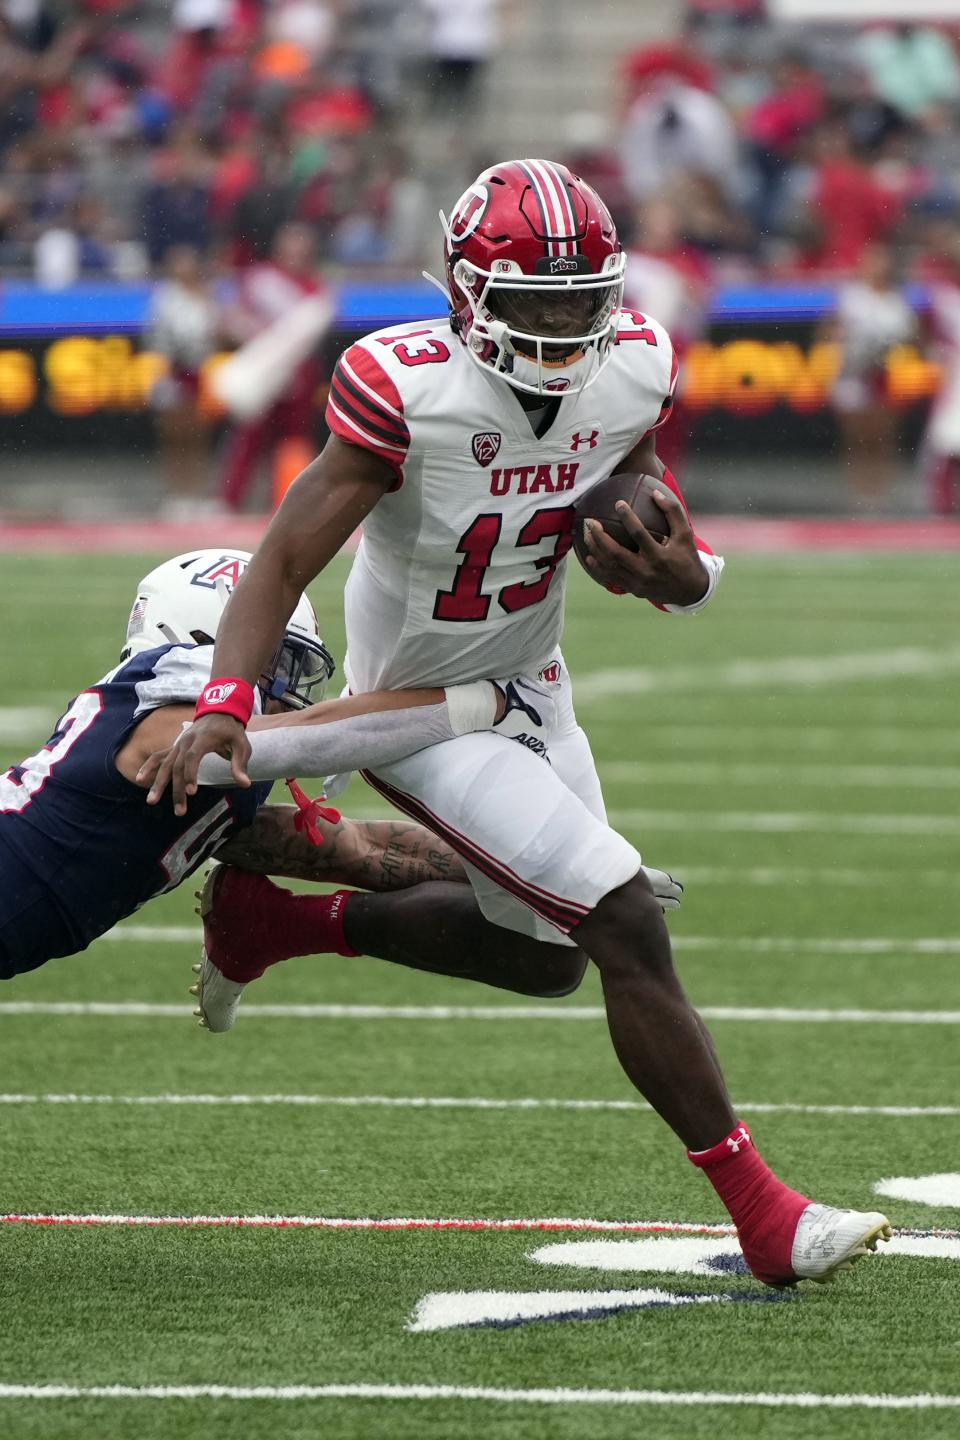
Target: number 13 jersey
460 570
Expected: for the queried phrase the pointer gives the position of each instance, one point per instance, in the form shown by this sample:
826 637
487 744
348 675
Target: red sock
312 925
255 924
764 1210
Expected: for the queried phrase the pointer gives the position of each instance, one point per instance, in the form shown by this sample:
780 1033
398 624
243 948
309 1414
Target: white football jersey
460 570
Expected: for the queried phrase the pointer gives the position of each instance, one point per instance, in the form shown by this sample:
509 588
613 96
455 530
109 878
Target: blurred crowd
749 150
129 127
790 150
274 141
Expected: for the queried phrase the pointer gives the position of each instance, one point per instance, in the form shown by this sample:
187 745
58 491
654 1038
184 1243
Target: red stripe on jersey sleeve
368 369
669 480
364 407
667 406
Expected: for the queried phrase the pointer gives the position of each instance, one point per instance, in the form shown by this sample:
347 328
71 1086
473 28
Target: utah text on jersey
460 570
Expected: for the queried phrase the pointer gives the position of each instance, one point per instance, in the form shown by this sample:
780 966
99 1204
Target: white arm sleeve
359 741
713 564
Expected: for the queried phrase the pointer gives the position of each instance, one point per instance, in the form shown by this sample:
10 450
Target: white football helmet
182 600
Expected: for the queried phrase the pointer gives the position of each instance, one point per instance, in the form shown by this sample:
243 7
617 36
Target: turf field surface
793 755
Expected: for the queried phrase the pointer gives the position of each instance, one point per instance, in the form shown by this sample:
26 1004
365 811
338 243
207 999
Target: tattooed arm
374 855
395 854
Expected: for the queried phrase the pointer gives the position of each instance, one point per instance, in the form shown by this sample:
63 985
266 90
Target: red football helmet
534 274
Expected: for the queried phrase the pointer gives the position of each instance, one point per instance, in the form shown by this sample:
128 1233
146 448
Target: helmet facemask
182 601
299 672
544 334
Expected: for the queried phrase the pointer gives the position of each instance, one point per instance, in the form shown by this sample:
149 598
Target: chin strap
309 811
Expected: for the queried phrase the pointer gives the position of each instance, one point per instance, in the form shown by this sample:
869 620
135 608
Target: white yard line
767 822
793 739
750 1014
30 723
465 1102
822 875
464 1309
366 1222
802 1400
156 934
749 944
784 670
826 945
680 1255
779 773
404 1222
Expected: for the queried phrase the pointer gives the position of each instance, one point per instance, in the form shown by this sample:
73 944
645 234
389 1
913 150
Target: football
600 501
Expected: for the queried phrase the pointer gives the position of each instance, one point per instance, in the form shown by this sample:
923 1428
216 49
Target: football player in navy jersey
462 446
80 849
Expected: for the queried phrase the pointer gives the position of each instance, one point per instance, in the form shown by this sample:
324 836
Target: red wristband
227 696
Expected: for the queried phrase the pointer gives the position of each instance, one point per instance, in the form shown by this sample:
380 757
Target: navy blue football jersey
80 848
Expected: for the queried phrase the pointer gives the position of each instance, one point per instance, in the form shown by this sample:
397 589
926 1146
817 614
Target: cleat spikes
195 969
194 990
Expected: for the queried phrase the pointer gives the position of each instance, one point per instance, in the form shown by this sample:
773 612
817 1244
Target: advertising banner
762 376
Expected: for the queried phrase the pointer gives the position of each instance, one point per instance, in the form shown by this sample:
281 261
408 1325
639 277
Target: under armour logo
742 1137
515 701
590 440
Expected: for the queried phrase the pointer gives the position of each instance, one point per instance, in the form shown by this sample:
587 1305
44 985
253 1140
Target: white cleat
829 1240
218 999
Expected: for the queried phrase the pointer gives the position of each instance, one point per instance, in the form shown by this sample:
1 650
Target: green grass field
793 754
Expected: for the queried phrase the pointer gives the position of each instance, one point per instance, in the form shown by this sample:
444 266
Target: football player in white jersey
460 447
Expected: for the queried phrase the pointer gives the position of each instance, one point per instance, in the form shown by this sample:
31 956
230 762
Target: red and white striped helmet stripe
559 218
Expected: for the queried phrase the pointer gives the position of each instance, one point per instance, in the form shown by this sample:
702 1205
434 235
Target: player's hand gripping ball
647 549
599 504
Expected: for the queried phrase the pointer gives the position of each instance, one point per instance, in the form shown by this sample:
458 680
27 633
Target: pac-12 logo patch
485 446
